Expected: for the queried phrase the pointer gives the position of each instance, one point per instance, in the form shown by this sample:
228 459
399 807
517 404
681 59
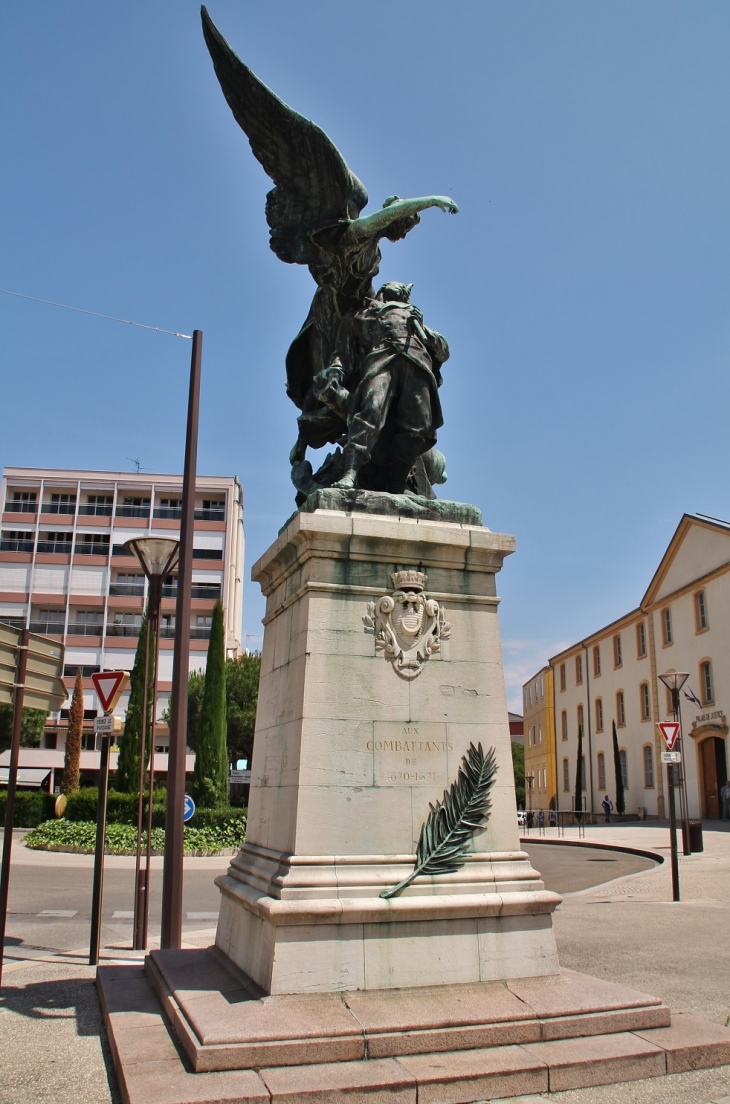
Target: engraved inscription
413 754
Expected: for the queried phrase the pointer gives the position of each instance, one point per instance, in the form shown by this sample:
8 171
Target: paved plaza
625 929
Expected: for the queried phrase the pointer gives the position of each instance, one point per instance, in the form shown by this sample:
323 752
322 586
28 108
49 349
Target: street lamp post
157 557
674 681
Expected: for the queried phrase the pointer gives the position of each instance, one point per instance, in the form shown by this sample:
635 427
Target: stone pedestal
352 744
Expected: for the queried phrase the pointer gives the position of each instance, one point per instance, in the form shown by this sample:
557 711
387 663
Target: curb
644 852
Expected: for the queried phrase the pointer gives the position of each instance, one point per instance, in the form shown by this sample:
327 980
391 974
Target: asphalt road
38 894
567 869
50 904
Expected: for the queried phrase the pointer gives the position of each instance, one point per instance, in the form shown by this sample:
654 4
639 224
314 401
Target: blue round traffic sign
188 809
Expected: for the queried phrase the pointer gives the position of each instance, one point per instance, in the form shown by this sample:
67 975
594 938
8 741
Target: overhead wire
96 314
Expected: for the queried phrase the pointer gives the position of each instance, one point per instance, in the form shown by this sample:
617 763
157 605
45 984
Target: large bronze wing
314 186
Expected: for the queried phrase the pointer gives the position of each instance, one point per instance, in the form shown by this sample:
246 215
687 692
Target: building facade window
617 656
644 701
599 715
562 676
701 611
648 767
666 616
596 661
624 768
542 686
580 718
601 771
620 709
708 693
640 640
539 732
578 670
564 725
566 775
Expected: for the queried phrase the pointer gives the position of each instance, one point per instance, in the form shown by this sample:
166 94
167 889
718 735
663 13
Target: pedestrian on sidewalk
607 808
725 795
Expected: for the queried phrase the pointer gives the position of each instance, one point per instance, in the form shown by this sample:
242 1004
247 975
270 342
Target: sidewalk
54 1050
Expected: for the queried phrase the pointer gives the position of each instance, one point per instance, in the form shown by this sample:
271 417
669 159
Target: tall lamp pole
674 681
157 557
172 871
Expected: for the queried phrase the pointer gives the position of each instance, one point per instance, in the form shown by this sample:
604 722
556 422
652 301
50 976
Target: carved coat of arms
408 625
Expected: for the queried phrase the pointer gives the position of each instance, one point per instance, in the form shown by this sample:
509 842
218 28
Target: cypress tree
210 780
579 773
620 801
127 780
72 759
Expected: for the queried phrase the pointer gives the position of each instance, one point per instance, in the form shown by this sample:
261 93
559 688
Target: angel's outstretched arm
399 208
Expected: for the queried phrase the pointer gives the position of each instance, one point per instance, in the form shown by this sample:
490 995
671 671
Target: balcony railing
168 512
77 628
58 508
133 511
14 622
47 628
57 547
166 631
129 590
211 591
120 550
122 630
21 507
93 509
100 548
16 545
210 515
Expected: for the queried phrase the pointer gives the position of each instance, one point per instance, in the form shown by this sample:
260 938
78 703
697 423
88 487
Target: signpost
30 676
188 808
670 734
109 686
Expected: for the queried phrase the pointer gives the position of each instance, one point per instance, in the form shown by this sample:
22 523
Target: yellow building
539 722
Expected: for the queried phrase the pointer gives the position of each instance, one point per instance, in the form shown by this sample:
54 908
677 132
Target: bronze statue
313 213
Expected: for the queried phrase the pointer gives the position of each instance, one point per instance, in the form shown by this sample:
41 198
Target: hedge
121 838
32 807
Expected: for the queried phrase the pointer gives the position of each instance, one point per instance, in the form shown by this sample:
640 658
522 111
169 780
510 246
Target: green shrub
121 808
217 818
121 838
32 807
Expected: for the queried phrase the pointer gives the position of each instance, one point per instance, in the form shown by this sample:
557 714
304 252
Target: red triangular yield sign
670 732
109 685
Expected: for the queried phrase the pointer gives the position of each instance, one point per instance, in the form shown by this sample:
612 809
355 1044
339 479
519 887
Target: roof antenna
137 462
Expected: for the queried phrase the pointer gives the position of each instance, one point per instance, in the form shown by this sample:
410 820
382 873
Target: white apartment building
681 624
64 571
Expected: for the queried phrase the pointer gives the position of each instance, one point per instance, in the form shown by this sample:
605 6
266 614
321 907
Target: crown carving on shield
409 580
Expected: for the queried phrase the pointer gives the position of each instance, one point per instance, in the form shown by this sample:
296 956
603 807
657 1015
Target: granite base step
224 1021
154 1066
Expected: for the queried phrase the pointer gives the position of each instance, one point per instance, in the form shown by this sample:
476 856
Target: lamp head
157 555
674 680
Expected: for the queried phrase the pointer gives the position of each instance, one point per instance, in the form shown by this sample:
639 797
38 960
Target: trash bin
695 836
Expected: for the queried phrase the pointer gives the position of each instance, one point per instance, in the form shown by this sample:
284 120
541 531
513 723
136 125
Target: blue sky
583 287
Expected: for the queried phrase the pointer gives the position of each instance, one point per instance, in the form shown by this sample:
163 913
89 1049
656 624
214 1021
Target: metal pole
140 881
673 832
98 887
683 804
155 596
12 781
172 875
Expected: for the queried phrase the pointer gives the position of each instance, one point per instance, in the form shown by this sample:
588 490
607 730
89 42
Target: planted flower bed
121 839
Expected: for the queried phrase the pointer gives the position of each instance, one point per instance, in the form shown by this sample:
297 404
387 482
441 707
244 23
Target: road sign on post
670 732
109 686
188 809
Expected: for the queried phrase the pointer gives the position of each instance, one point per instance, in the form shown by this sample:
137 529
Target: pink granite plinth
175 1040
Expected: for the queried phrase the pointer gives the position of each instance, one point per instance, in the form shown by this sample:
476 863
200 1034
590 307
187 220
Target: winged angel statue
364 369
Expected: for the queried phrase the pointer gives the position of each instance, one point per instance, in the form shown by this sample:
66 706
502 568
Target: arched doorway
713 775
